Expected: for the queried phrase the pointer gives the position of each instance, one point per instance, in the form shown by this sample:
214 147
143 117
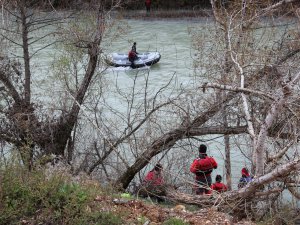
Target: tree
22 124
241 31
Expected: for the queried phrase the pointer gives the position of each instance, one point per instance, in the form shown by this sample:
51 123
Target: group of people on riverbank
202 167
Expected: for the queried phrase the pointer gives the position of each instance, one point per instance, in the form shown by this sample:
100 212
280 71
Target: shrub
30 196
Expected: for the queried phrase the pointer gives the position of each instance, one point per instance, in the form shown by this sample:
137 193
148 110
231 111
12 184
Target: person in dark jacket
132 55
245 179
202 167
133 48
219 186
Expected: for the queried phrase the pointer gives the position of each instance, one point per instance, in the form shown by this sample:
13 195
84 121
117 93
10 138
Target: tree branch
237 89
11 89
119 141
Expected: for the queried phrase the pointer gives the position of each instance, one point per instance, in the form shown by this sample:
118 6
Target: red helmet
245 172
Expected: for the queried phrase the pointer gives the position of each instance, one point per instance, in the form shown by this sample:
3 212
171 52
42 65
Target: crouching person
154 185
245 179
218 186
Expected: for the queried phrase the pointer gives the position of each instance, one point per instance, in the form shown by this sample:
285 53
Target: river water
170 38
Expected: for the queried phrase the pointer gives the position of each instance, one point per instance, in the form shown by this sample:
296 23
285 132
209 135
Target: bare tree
240 28
22 125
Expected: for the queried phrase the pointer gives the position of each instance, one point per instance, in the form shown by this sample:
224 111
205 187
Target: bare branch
13 92
281 153
119 141
238 89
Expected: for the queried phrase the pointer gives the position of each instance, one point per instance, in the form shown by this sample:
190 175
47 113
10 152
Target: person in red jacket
153 184
148 5
154 176
219 186
202 167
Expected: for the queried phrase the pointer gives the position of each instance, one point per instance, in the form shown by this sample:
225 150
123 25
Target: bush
30 196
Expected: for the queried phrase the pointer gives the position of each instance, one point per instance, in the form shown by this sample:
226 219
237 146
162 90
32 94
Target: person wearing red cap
219 186
245 179
202 167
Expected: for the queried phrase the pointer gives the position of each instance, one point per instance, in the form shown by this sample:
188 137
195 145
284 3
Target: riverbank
166 14
177 14
55 197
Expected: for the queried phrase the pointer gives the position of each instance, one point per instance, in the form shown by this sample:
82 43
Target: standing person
132 55
245 179
154 183
219 186
148 5
203 167
133 48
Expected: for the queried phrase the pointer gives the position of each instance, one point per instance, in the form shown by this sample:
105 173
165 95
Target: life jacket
131 55
206 164
153 178
219 187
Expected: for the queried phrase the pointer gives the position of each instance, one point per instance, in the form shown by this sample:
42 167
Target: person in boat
132 55
153 184
133 48
202 167
218 185
245 179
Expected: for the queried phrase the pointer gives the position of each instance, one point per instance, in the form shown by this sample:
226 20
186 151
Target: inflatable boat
144 59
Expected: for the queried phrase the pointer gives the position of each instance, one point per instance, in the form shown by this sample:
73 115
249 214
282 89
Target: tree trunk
227 162
25 52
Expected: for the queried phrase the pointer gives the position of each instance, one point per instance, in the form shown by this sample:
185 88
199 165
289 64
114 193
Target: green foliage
126 195
175 221
31 196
